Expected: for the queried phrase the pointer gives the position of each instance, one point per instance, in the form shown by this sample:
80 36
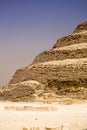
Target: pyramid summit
81 27
79 35
62 70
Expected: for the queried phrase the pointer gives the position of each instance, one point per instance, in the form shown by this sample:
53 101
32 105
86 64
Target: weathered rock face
69 69
67 47
62 67
66 61
23 91
79 35
81 27
75 51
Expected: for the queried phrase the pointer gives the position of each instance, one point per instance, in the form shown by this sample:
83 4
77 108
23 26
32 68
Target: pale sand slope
74 114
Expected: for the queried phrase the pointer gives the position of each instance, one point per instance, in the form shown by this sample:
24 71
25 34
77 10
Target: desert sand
75 115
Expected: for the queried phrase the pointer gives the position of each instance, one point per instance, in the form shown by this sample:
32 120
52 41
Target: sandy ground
75 115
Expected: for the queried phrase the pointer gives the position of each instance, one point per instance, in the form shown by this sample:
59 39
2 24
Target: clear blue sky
28 27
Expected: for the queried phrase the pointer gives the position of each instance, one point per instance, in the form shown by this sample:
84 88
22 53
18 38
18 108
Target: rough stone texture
79 35
81 27
40 73
53 55
71 39
23 91
61 70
